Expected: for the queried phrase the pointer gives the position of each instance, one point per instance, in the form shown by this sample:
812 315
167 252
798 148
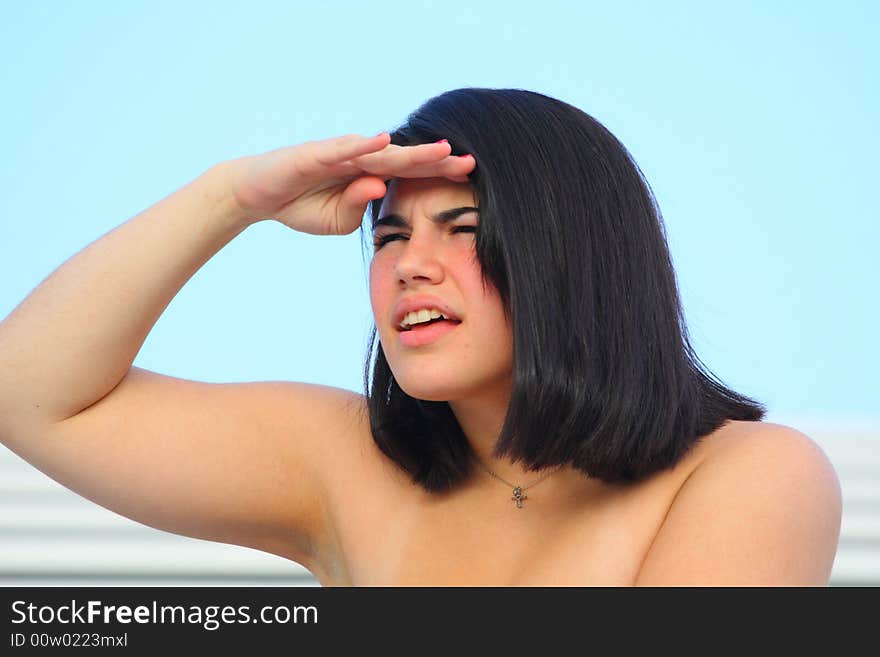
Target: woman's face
424 257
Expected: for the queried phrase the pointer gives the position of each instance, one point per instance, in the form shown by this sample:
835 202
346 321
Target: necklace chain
518 496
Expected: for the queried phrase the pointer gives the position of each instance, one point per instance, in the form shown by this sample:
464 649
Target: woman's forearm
75 336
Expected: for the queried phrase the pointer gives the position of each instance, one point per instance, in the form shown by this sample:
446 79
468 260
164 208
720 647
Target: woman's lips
426 334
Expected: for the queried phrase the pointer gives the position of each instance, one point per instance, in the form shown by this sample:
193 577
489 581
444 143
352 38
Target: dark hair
604 375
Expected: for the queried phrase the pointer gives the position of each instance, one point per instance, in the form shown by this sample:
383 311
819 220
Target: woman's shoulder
762 505
763 458
775 445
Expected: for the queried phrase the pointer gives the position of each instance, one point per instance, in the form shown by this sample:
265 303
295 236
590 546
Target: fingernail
442 141
465 155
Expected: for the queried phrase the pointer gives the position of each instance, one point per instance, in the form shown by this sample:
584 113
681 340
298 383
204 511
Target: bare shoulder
759 450
771 441
761 507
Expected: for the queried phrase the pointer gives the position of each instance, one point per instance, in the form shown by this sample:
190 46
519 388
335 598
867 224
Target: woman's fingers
451 167
354 155
347 147
395 157
333 156
422 161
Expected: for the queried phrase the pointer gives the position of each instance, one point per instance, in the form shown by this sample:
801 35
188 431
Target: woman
535 413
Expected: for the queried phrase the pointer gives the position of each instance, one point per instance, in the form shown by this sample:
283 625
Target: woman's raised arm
230 462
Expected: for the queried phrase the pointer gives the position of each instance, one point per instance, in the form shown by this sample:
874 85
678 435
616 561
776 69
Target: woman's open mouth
426 332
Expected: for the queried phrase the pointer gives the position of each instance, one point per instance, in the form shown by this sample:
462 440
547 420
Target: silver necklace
518 496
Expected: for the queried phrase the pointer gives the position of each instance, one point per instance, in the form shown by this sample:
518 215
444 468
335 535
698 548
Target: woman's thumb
354 201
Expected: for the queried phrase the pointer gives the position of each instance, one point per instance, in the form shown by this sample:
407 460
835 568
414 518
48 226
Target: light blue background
755 124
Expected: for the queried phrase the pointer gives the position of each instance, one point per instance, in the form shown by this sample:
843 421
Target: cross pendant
518 497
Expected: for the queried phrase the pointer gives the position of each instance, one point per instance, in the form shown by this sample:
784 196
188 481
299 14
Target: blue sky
754 122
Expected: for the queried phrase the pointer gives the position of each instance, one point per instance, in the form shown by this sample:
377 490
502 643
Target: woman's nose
419 261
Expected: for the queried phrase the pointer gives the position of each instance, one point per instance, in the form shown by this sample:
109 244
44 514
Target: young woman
533 413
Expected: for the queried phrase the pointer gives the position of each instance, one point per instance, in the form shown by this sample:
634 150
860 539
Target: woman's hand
322 187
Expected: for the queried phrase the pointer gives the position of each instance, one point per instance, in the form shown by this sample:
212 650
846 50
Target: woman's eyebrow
442 217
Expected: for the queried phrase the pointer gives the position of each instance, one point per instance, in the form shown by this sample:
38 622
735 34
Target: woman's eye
379 242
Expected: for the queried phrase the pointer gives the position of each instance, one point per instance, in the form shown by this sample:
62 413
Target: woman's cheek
380 283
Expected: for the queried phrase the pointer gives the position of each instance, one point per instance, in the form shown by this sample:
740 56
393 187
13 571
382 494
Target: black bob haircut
604 376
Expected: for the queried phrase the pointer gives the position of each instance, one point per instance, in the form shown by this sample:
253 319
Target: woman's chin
428 390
